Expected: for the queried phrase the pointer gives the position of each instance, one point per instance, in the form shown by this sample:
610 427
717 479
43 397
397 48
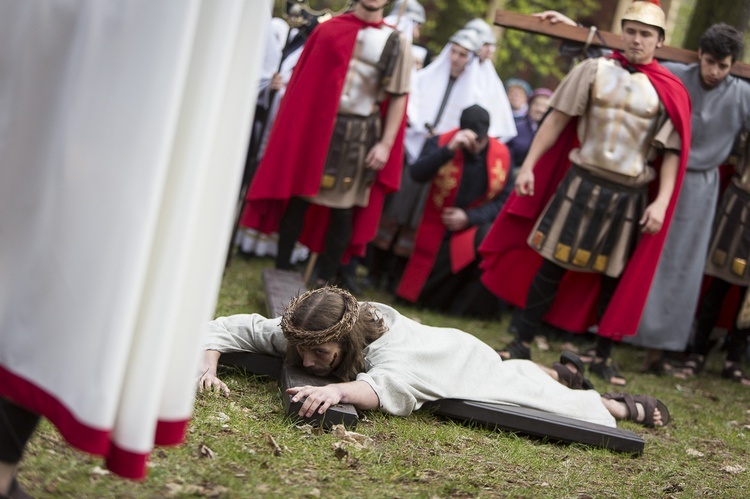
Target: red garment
431 231
298 143
509 263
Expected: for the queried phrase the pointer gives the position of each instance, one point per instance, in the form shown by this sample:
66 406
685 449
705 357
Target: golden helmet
646 12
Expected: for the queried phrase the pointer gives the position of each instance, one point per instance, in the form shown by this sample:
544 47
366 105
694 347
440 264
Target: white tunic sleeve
246 333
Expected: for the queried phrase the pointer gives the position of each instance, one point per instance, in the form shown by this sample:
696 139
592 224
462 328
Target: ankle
7 475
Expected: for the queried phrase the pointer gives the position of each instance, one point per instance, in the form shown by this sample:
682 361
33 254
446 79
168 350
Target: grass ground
244 447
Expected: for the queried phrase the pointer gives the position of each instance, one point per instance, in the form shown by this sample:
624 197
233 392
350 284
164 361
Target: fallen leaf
357 439
693 452
173 489
733 469
206 452
313 493
99 471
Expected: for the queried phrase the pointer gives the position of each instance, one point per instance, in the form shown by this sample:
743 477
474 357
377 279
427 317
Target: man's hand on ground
211 383
318 398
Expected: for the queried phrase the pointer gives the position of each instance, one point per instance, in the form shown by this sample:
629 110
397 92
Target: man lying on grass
389 362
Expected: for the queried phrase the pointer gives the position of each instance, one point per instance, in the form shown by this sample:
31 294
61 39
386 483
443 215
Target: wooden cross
531 24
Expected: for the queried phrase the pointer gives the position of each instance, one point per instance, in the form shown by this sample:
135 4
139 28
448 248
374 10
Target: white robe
412 364
123 124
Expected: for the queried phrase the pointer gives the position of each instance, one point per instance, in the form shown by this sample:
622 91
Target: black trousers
17 425
336 240
708 315
542 294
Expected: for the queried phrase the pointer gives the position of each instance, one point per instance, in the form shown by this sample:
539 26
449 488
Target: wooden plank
257 364
538 424
531 24
345 414
266 365
281 286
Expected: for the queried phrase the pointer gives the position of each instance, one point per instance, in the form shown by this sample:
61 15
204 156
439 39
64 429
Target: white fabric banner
123 133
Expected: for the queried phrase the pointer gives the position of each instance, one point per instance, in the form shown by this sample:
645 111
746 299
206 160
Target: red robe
431 230
298 143
510 264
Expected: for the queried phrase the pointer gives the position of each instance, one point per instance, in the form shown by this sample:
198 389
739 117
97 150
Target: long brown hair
323 311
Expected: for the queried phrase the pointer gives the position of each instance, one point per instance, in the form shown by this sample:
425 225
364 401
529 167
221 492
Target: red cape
431 230
298 143
509 263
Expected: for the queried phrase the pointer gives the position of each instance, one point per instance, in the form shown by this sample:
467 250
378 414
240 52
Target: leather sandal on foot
693 365
573 380
606 370
649 405
515 350
733 372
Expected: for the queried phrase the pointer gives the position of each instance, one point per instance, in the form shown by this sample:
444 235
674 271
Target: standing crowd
586 208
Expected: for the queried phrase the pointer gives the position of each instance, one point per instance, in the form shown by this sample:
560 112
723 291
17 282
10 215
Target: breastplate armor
362 84
620 122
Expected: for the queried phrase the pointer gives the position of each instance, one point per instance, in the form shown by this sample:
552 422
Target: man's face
322 359
517 97
486 52
459 56
641 41
538 107
713 70
372 5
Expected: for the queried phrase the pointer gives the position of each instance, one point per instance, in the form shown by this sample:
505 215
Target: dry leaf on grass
693 452
206 452
356 439
733 469
99 471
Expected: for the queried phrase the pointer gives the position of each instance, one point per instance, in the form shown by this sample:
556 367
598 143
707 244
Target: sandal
515 350
606 370
649 405
566 376
693 365
733 372
588 356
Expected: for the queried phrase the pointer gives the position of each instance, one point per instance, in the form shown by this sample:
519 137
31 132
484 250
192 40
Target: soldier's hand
525 182
653 218
378 156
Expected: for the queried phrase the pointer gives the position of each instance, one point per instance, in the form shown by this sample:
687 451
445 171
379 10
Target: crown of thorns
299 336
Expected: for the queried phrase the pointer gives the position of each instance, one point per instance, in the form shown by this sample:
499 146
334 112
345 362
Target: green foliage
445 17
535 57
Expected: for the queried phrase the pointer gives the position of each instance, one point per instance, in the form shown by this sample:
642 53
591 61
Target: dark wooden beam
538 424
259 364
280 287
531 24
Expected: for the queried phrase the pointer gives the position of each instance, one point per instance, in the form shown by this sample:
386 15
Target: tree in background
707 12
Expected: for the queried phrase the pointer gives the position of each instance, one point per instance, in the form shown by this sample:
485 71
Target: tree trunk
707 12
